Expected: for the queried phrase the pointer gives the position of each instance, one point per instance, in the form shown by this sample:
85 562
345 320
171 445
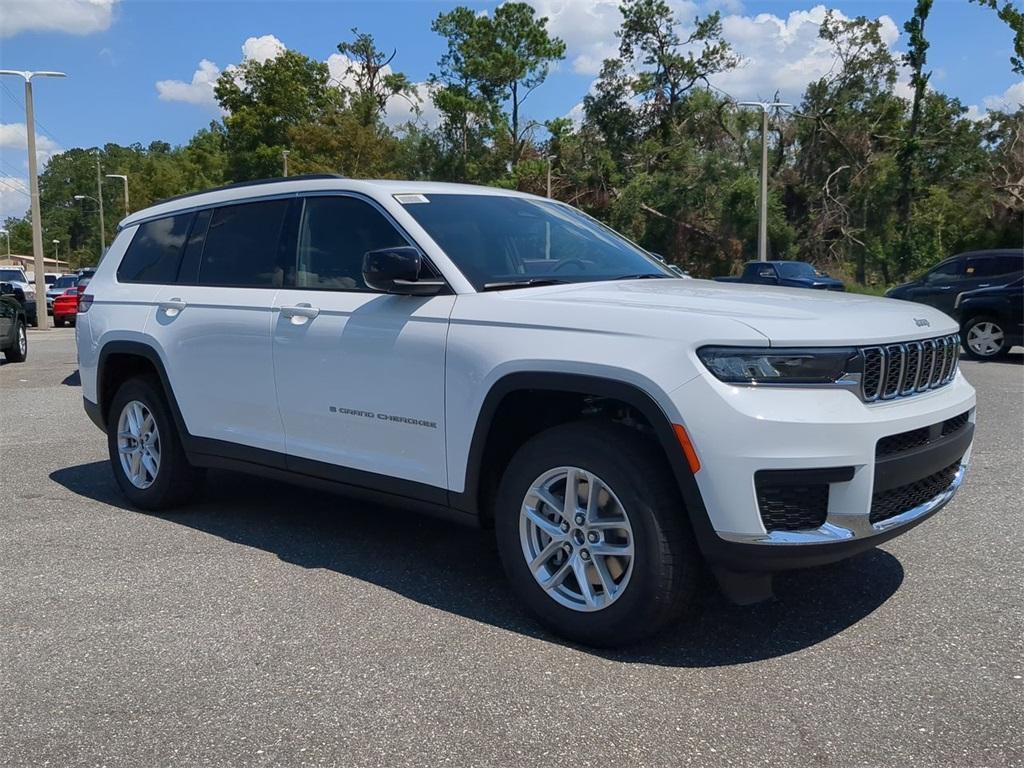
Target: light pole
99 201
124 180
550 158
37 221
284 160
89 197
7 234
762 230
56 253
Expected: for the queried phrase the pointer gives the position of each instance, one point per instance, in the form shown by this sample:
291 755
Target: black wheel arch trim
632 395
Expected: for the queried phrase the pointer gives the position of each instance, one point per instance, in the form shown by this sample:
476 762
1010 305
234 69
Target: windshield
12 276
66 281
797 269
498 241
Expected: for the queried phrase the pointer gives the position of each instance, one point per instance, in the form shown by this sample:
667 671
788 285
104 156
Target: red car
65 307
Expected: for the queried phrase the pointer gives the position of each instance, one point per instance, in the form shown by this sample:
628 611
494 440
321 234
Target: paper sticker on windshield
409 199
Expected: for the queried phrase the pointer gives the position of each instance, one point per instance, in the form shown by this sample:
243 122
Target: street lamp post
284 161
124 181
99 202
56 254
90 197
37 221
762 230
550 158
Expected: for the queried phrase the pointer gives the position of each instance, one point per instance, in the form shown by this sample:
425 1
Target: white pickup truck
508 361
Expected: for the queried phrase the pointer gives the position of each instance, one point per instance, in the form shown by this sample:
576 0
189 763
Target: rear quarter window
154 254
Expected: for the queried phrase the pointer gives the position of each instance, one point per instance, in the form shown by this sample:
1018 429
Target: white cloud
262 49
1009 100
15 136
782 55
14 197
75 17
199 90
588 28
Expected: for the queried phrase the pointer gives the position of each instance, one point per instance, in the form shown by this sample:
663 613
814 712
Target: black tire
1004 348
666 564
176 481
58 322
14 353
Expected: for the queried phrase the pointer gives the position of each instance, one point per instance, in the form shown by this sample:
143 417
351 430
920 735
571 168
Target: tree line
864 182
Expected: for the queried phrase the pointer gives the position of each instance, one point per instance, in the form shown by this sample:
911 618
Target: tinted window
797 269
155 252
944 272
990 266
334 235
243 246
66 281
500 238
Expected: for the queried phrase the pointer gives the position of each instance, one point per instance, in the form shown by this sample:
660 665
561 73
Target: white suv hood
786 316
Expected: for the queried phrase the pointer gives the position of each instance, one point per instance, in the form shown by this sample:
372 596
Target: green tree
373 80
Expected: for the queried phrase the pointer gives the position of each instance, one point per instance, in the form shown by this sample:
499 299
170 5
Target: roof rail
253 183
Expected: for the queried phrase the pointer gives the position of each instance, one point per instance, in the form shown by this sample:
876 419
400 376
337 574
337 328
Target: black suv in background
991 320
941 284
13 339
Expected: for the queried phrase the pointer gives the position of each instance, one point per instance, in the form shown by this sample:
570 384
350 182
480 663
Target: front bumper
824 433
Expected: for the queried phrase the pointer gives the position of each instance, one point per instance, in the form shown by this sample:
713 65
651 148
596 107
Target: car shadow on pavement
73 379
456 569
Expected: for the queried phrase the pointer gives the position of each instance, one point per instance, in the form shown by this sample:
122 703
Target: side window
155 252
943 273
1007 265
980 266
334 234
243 247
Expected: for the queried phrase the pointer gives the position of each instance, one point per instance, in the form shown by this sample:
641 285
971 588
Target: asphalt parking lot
271 625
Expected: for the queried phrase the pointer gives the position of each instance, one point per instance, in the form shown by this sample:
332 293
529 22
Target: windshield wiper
527 283
644 276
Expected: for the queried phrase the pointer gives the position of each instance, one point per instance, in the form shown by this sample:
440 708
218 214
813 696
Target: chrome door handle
985 285
172 307
300 313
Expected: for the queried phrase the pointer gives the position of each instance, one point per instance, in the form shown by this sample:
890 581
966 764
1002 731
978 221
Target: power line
15 188
19 105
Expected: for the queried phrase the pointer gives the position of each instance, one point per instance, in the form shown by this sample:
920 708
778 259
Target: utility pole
42 318
56 252
550 158
89 197
284 159
124 180
99 202
762 230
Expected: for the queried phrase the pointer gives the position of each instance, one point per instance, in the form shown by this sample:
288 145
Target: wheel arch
121 359
548 383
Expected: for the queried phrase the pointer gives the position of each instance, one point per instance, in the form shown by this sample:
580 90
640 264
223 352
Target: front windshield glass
496 239
797 269
67 281
12 276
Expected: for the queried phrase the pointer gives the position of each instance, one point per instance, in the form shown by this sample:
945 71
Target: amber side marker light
687 446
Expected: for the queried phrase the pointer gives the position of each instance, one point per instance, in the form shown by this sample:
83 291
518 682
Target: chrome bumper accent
847 527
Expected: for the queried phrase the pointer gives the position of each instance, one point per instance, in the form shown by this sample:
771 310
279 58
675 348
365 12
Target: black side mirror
397 270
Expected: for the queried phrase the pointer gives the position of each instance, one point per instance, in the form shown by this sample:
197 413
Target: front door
360 374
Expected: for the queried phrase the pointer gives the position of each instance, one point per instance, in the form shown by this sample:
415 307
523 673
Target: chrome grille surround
902 370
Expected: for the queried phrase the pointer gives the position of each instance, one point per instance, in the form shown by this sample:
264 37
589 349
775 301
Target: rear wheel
593 535
58 321
984 338
146 455
18 351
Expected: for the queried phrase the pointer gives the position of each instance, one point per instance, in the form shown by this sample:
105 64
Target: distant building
28 263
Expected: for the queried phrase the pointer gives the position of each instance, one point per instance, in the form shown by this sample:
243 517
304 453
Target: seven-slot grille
899 370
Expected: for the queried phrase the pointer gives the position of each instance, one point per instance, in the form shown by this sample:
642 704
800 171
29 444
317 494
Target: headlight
30 294
765 365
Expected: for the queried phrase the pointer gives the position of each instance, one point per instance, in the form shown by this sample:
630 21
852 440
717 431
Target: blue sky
116 53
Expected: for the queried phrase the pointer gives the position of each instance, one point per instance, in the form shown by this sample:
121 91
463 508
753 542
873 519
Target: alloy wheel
985 339
576 539
138 444
22 341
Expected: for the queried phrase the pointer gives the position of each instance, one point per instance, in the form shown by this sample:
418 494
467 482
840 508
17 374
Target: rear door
360 374
214 326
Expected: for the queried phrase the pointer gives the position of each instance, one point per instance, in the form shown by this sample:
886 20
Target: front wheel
18 351
146 455
984 339
593 535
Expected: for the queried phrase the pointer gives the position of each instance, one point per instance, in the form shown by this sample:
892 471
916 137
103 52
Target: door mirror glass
767 273
398 270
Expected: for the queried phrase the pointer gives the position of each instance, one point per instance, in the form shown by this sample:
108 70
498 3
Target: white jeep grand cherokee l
506 360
